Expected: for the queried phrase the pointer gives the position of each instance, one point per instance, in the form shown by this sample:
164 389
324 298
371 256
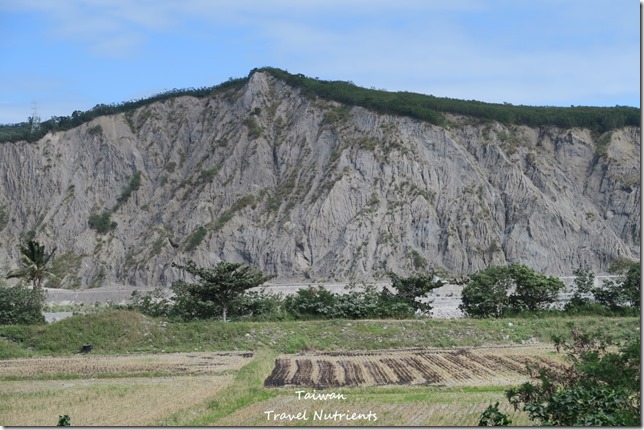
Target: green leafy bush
21 305
533 291
493 417
598 388
614 296
102 222
357 302
260 306
365 301
311 302
154 303
196 238
97 130
254 129
501 290
133 185
623 292
409 289
584 283
486 294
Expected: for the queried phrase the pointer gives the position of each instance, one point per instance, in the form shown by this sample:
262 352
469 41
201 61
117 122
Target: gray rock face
313 190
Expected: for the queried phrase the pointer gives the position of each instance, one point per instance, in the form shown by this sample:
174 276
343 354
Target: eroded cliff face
311 189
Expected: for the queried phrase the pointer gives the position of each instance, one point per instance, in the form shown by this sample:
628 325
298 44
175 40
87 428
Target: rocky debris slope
310 189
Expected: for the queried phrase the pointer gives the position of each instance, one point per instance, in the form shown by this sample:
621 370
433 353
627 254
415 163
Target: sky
58 56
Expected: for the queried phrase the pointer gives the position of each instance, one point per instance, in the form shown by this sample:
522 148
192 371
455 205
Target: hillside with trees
419 106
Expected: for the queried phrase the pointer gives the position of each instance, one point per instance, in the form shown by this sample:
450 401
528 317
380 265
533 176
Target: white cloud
99 21
112 28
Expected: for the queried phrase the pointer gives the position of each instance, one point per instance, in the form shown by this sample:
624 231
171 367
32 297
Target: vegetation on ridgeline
419 106
430 108
23 130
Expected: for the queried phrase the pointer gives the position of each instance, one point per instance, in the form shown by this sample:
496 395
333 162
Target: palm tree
34 262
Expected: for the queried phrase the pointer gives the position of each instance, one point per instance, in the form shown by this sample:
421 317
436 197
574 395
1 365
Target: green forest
419 106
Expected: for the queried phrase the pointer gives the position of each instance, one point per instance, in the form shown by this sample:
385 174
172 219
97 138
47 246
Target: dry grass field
399 406
410 387
127 365
134 390
379 369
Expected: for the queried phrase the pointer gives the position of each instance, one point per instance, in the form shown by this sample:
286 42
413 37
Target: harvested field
104 365
112 390
105 402
417 406
421 366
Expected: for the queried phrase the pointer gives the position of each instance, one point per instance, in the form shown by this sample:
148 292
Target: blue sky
66 55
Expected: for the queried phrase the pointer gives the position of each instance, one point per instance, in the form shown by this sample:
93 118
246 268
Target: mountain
305 187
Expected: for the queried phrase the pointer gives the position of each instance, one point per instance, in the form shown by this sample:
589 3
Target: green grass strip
246 389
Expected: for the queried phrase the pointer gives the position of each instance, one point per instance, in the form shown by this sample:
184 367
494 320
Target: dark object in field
86 348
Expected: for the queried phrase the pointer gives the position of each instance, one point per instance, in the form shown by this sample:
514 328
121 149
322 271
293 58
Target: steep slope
311 189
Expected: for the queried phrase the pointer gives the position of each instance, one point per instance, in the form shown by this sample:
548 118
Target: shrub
21 305
500 290
408 289
533 291
63 421
195 239
419 261
102 222
624 292
260 306
486 294
254 130
250 306
584 283
133 185
493 417
596 389
357 302
154 303
391 306
97 130
311 302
